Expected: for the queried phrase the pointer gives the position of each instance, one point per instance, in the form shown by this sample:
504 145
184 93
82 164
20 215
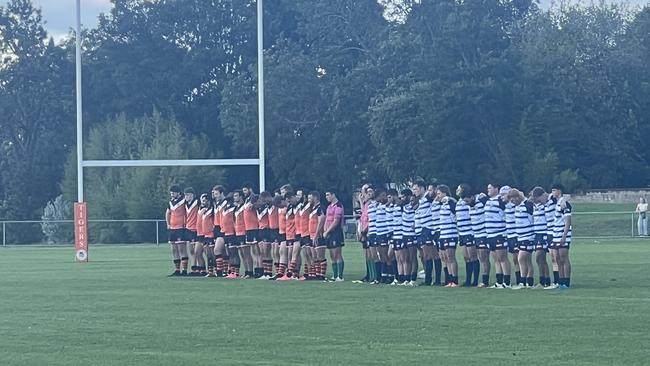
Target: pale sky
59 14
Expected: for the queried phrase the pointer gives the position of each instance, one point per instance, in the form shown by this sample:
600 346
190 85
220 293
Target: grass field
120 309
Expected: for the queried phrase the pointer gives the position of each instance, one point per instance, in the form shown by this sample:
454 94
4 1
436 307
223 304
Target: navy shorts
216 231
264 235
190 235
382 240
466 240
252 236
398 244
541 242
497 243
239 240
526 246
448 243
556 244
481 243
282 237
372 241
175 235
409 241
425 238
513 245
208 241
274 235
335 240
305 241
230 240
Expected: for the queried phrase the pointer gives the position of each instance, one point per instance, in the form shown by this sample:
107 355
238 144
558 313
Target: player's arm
566 212
168 216
321 226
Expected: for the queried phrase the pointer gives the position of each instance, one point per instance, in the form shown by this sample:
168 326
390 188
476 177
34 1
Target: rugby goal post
80 209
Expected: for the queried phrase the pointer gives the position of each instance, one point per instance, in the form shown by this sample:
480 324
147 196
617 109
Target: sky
59 14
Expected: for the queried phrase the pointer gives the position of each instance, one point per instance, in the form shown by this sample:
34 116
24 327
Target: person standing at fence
642 223
562 235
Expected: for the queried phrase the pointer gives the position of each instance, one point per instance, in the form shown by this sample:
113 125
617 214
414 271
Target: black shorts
252 236
274 235
305 241
282 237
448 243
513 245
264 235
409 241
382 240
497 243
526 246
541 242
176 235
229 240
200 238
398 244
466 240
208 241
239 240
335 240
481 243
216 231
425 237
372 241
190 235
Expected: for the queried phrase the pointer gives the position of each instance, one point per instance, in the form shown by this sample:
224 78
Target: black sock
542 280
486 279
506 279
556 277
469 269
500 278
447 279
518 277
378 271
567 281
477 269
428 269
438 268
530 281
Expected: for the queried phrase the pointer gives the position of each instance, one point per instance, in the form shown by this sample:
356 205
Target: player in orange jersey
240 232
227 222
252 227
293 246
315 227
264 210
220 248
175 218
277 218
205 237
305 238
192 214
287 233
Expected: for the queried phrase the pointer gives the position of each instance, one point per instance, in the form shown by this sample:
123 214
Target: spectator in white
642 223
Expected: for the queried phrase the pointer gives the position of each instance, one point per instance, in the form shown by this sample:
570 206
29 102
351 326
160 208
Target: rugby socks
335 269
477 269
377 276
447 277
394 267
341 267
323 269
184 261
506 279
368 270
556 277
428 271
177 265
277 266
281 269
518 277
565 282
529 281
292 269
438 267
469 269
500 278
486 280
267 269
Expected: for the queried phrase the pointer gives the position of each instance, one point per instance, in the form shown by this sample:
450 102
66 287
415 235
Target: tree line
380 91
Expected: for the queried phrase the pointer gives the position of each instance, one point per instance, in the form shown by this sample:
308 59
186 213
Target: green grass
604 207
119 309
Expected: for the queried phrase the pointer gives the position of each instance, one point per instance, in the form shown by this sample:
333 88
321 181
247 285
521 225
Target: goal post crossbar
171 162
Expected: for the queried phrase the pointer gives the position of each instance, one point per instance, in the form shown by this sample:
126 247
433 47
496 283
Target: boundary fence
586 225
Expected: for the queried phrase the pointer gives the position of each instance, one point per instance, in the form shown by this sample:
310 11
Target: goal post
80 209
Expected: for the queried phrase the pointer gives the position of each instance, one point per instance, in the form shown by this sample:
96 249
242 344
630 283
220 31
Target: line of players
223 231
394 227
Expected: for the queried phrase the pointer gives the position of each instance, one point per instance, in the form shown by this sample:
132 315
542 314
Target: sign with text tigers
80 232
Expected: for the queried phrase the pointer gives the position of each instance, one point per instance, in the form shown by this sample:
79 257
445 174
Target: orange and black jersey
304 219
227 220
290 222
263 216
314 217
218 206
282 220
250 213
206 220
273 217
177 214
297 211
192 212
240 223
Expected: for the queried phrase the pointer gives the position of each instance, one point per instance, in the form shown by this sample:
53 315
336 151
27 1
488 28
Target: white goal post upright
81 219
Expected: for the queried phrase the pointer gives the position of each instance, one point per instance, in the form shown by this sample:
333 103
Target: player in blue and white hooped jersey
393 209
549 211
540 197
477 214
424 229
511 231
383 231
495 227
524 228
373 242
466 234
448 233
562 235
437 252
397 247
409 255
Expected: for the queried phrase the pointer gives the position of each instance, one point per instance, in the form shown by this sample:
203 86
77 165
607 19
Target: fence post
4 234
157 233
